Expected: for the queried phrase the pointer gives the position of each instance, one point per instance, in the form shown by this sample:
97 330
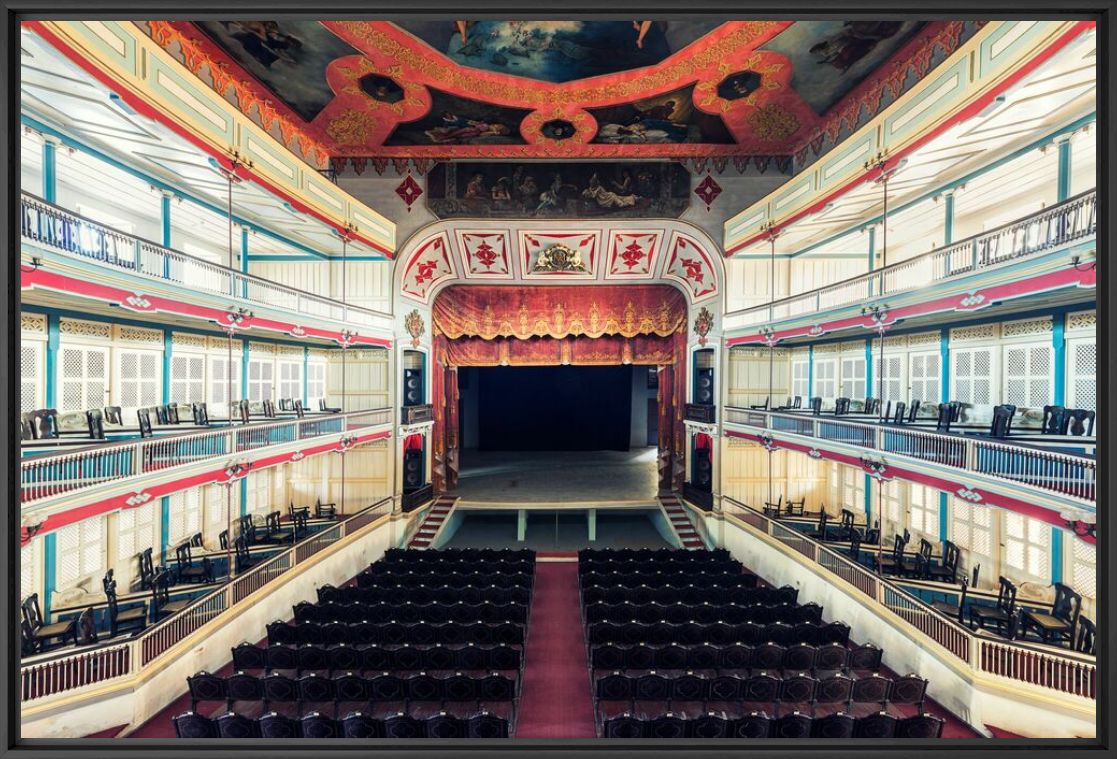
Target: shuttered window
971 370
315 381
924 511
925 370
84 377
1084 567
853 377
81 551
136 530
291 379
890 377
188 378
31 384
1082 373
219 378
825 378
185 515
800 369
30 568
139 380
261 378
1027 546
1028 377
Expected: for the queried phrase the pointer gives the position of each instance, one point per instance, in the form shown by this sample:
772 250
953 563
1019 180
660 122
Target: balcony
1025 240
1054 672
100 471
1070 476
80 241
413 499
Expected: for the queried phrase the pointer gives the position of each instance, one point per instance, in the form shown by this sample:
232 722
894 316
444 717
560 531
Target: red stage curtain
610 350
557 312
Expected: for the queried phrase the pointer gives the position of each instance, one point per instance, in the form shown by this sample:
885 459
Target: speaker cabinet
704 387
702 476
412 387
413 469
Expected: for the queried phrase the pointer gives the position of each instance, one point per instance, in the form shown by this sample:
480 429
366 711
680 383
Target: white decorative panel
181 340
979 332
80 328
972 371
925 373
185 514
33 324
80 551
1082 373
136 530
224 378
83 377
130 334
1028 375
188 378
1084 567
139 381
1024 327
32 380
1027 546
924 340
1082 320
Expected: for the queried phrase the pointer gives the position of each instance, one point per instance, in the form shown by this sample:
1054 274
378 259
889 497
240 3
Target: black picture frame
14 10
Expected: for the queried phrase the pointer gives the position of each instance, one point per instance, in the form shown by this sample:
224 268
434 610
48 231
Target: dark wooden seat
773 509
947 570
954 611
1061 623
161 596
328 409
244 559
187 570
119 621
1002 616
1086 640
37 635
325 510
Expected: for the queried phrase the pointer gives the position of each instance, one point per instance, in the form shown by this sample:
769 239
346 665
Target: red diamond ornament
409 190
708 190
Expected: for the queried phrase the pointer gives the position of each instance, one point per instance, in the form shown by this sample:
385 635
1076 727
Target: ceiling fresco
563 89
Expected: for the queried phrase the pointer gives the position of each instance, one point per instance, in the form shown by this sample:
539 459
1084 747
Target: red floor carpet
555 696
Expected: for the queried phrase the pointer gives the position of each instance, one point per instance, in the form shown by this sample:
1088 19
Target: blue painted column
1059 346
165 219
50 170
810 373
167 343
1062 182
243 496
50 571
244 369
948 217
869 367
51 367
944 360
1057 554
164 527
244 249
944 516
872 255
868 500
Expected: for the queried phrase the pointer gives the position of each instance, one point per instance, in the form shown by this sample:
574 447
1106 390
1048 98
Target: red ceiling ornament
708 190
409 190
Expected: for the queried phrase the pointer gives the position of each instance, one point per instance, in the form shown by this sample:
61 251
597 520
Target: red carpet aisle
555 696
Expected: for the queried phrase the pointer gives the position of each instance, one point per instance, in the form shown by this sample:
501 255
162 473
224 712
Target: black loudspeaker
412 387
704 387
703 475
413 469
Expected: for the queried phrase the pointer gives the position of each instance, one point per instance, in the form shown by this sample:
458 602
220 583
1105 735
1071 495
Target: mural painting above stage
454 120
667 118
830 58
288 57
558 51
558 190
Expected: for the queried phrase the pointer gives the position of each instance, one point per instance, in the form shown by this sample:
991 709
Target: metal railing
45 476
1065 671
1053 471
46 224
1073 219
114 660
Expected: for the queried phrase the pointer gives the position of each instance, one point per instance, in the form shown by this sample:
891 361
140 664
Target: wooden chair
901 407
947 571
1086 641
762 406
300 412
913 411
841 406
1082 422
244 559
797 402
954 611
135 617
162 604
1001 425
293 510
893 562
147 569
36 635
1002 616
44 423
143 416
819 533
329 409
200 414
223 540
171 410
886 414
816 405
1056 420
325 510
773 509
795 508
187 571
845 527
113 417
1061 623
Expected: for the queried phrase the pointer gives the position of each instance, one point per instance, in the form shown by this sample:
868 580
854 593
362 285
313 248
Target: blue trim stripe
50 172
944 516
1062 184
164 527
1056 554
50 570
167 346
1059 346
944 361
51 366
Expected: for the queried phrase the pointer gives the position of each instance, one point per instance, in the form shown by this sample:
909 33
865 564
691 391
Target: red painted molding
217 475
971 301
964 114
130 300
948 483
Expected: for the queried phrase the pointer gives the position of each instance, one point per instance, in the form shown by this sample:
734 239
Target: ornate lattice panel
979 332
1024 327
185 515
1082 320
83 377
925 377
80 551
129 334
139 378
972 370
31 382
188 378
1028 375
890 378
1082 357
1084 568
135 531
33 324
224 378
86 329
924 340
180 340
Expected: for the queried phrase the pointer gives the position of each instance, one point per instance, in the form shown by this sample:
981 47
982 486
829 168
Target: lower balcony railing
413 499
1072 220
50 475
70 671
1066 672
1053 471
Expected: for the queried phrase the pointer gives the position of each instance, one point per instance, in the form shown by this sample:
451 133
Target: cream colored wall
748 376
744 476
366 283
366 379
749 279
367 476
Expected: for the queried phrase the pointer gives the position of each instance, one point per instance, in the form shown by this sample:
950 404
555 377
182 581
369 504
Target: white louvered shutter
136 530
84 377
853 377
1082 373
1028 375
972 373
1027 545
925 370
188 378
31 358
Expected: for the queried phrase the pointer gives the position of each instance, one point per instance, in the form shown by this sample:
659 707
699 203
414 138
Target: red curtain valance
548 311
609 350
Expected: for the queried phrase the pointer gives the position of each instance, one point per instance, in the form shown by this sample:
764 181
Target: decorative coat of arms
559 258
703 323
413 323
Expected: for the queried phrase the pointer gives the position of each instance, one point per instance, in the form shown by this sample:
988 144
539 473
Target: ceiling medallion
558 129
409 190
560 258
708 190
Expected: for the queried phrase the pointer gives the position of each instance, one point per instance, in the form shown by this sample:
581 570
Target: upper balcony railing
46 224
1066 672
115 659
46 475
1073 219
1053 471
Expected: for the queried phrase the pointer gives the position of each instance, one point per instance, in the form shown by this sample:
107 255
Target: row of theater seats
378 629
434 612
354 725
737 657
731 674
374 658
717 633
649 559
726 692
315 689
760 725
704 612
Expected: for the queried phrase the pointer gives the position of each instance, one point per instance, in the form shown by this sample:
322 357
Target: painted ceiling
562 89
